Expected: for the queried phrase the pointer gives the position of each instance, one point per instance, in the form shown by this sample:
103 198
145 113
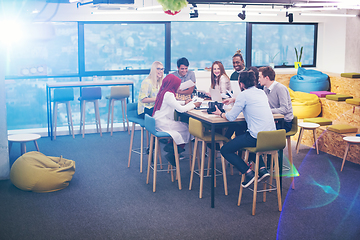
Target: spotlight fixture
242 15
290 16
194 14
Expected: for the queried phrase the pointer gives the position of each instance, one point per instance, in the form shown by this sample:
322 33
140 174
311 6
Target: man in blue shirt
253 103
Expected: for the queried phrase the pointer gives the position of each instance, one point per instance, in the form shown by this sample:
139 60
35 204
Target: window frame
249 35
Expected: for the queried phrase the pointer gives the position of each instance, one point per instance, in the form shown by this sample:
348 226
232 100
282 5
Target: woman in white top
219 79
165 106
149 89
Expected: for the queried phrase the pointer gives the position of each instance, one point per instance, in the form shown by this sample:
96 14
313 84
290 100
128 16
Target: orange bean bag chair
33 171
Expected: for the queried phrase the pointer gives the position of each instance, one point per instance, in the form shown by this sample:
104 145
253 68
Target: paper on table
187 84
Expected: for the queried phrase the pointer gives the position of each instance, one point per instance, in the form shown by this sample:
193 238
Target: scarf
170 83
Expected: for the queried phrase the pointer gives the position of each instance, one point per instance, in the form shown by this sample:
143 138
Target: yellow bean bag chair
34 171
305 105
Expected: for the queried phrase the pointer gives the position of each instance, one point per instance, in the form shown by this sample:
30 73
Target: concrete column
4 151
352 43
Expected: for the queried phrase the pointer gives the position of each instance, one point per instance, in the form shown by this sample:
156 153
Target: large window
205 42
75 51
275 43
121 46
45 49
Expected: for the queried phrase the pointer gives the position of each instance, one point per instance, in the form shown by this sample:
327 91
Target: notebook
236 88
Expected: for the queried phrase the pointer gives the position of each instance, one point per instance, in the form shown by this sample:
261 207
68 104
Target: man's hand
197 104
228 101
217 112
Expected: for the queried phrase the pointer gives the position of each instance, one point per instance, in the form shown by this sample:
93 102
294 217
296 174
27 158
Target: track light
242 15
290 16
193 11
194 14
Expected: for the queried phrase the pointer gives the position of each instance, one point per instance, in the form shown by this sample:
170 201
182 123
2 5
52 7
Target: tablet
215 95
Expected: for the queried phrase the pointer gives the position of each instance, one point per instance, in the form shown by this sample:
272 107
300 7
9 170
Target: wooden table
216 121
50 86
23 139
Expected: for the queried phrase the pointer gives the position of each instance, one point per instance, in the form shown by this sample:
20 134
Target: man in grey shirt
278 97
184 74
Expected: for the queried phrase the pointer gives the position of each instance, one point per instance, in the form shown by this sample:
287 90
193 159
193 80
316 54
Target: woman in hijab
165 106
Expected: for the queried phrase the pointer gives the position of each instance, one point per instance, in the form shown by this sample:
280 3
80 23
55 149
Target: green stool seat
350 75
354 101
268 142
342 128
338 97
319 120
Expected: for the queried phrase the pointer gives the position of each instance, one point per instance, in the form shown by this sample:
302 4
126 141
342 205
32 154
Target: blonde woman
219 79
149 89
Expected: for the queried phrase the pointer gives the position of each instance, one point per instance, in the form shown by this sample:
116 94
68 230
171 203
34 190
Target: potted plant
272 63
297 64
173 7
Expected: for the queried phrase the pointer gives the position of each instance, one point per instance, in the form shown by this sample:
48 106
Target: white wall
331 45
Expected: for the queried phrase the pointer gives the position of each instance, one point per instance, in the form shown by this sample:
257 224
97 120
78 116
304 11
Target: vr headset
212 108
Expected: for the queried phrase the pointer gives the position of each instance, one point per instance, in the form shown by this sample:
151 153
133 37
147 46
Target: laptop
215 95
235 88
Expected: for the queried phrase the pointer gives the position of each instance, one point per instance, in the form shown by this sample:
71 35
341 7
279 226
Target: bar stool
150 126
90 94
197 130
133 117
118 93
307 126
292 132
63 95
349 140
268 142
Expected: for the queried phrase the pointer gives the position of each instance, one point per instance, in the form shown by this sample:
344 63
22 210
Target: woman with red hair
165 105
219 78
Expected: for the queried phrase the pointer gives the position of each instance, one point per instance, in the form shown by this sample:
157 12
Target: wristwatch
221 114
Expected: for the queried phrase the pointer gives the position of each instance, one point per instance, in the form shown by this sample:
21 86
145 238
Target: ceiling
208 9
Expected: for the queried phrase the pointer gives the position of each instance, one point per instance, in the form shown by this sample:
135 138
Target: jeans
241 141
239 129
287 125
148 111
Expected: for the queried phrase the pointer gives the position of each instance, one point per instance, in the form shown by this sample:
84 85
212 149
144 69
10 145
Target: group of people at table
260 97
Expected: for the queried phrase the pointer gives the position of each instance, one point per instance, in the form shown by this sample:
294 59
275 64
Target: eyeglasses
160 69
